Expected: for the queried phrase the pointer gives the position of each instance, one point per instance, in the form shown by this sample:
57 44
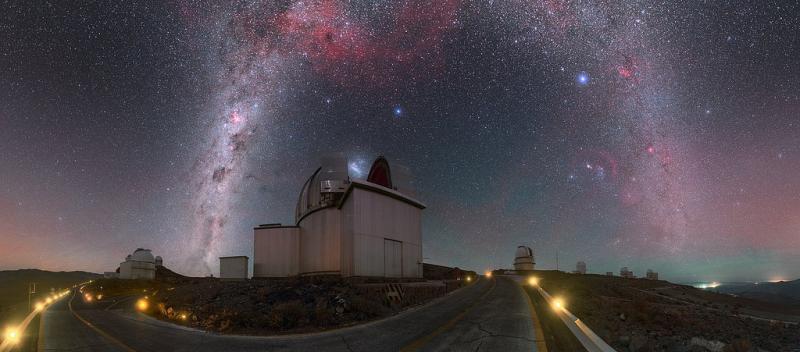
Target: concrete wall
347 242
233 268
376 217
276 251
320 245
137 270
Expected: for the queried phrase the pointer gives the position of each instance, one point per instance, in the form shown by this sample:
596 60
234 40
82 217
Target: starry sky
650 134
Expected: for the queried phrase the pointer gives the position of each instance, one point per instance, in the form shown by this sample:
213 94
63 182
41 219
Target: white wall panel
376 217
347 241
412 257
275 251
233 267
368 255
320 246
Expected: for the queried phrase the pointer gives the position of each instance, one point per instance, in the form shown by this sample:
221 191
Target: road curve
491 314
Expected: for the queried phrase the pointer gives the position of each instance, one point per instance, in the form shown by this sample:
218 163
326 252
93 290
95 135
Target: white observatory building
139 265
346 226
523 258
580 268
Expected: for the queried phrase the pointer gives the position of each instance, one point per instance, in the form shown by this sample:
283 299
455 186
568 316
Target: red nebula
625 72
236 117
629 70
351 54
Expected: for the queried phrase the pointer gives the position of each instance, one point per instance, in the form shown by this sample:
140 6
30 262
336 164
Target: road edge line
418 343
96 329
541 345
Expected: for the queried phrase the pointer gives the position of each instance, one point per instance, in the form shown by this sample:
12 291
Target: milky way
644 134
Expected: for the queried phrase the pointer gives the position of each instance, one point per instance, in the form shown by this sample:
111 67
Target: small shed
233 268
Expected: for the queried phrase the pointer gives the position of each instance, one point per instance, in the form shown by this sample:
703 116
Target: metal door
392 258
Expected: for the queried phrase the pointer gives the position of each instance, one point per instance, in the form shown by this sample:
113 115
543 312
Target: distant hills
783 292
14 283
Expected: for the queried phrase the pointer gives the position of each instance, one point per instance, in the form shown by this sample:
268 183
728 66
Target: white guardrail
583 333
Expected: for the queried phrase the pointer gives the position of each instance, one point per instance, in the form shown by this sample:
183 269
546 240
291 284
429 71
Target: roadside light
183 316
12 335
39 306
469 278
142 304
49 300
488 274
558 303
99 297
88 297
533 281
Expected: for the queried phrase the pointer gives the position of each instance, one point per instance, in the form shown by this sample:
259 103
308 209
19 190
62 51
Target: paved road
492 314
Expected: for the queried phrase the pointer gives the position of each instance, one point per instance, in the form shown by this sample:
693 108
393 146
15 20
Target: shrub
288 315
739 345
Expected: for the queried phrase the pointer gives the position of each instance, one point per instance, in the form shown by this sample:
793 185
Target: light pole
31 290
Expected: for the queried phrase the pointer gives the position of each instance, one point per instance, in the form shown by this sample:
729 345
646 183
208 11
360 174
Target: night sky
647 134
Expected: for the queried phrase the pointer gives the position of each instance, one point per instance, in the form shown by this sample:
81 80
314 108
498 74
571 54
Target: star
583 78
398 111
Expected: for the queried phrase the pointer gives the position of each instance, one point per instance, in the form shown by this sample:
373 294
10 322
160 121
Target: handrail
582 332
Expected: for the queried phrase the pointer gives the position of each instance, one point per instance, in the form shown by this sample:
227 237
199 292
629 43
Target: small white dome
143 255
524 252
523 258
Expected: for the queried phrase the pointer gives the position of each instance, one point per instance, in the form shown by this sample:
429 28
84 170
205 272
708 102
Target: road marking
39 340
119 301
96 329
541 346
417 344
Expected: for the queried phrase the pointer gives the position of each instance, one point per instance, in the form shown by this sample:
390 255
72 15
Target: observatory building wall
276 251
319 242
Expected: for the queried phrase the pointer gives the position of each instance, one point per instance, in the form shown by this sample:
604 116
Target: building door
392 258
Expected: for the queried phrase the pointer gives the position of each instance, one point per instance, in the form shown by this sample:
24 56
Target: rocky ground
261 307
252 307
644 315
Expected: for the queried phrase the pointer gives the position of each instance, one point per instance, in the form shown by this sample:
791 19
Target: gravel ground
644 315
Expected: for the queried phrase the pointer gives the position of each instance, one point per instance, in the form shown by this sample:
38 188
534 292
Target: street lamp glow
142 304
48 300
533 281
469 278
12 335
558 303
488 274
39 306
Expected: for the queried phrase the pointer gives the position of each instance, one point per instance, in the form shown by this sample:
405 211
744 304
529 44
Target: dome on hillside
523 258
523 251
143 255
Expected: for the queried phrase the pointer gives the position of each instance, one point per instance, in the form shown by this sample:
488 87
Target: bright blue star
583 78
398 111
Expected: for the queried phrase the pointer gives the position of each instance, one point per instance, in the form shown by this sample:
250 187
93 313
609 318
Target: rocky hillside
784 292
257 307
644 315
14 283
